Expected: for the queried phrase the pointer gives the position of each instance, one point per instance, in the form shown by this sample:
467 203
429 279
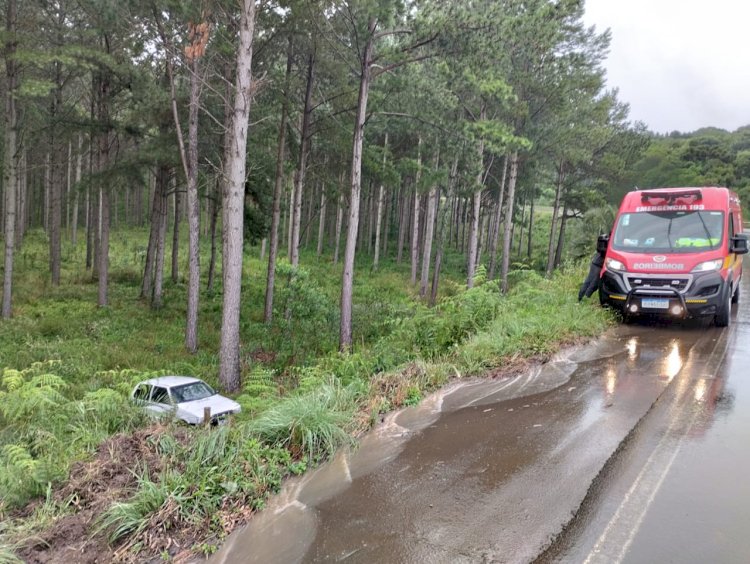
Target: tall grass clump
537 316
429 333
312 424
129 518
218 472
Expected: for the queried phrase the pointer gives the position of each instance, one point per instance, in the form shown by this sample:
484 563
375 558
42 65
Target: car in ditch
184 397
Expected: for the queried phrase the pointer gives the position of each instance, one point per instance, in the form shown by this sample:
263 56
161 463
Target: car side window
142 392
160 395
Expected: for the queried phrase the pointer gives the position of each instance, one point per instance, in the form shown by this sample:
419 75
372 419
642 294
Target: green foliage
305 319
44 427
537 316
296 411
313 424
132 517
707 157
433 332
197 479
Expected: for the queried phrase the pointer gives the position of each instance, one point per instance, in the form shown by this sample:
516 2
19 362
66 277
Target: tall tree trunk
214 207
363 214
442 218
47 191
234 199
90 221
347 283
561 238
555 211
428 235
299 176
105 91
476 203
531 226
309 217
322 221
480 245
290 232
147 282
162 188
199 34
403 222
11 155
22 208
77 192
431 213
371 207
176 236
379 212
69 164
415 222
475 210
509 220
520 228
157 219
339 222
495 235
464 217
90 215
390 196
278 188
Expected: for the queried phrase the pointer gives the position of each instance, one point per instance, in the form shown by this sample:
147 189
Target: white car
185 397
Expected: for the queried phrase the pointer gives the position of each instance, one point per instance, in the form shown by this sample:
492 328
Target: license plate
654 303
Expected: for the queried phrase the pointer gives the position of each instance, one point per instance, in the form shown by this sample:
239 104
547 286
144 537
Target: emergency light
672 198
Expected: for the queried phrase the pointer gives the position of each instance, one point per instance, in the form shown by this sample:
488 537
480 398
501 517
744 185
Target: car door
142 393
160 402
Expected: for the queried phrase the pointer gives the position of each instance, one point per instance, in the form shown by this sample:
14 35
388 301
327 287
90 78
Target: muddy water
482 471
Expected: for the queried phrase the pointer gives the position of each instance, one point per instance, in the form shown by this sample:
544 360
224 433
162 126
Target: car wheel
724 315
736 295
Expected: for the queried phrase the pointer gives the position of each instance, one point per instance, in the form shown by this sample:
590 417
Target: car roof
171 381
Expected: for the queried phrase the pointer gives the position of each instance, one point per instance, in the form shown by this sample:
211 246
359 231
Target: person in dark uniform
591 284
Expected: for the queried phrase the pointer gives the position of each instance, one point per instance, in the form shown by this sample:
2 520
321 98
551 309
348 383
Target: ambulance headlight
614 264
709 266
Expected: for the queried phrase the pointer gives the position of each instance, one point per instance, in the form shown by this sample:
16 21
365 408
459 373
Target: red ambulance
675 252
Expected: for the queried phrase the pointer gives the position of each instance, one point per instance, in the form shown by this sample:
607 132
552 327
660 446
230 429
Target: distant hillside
708 156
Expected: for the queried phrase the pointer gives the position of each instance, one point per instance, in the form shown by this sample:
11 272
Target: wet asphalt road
633 449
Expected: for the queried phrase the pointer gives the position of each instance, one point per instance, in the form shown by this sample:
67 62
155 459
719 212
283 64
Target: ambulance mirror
738 244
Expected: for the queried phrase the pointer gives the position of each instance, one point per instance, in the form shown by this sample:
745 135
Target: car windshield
191 392
669 231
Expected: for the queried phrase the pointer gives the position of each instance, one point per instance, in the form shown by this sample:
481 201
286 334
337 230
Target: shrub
305 319
312 425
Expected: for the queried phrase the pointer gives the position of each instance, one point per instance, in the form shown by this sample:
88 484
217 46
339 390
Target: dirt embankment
111 476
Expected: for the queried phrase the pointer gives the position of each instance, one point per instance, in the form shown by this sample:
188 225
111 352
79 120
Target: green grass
315 423
69 366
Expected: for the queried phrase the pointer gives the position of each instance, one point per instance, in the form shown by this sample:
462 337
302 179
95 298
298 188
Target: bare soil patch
92 487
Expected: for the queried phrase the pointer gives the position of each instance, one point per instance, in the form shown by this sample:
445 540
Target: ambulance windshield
669 231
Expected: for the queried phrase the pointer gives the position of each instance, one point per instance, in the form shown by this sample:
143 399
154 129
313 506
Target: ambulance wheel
736 295
723 316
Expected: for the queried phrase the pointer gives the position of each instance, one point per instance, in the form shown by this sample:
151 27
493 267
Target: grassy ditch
81 469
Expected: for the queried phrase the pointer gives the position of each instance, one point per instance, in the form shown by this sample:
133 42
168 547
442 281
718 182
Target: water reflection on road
498 470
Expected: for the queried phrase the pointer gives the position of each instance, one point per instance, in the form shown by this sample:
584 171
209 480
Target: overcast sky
680 64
